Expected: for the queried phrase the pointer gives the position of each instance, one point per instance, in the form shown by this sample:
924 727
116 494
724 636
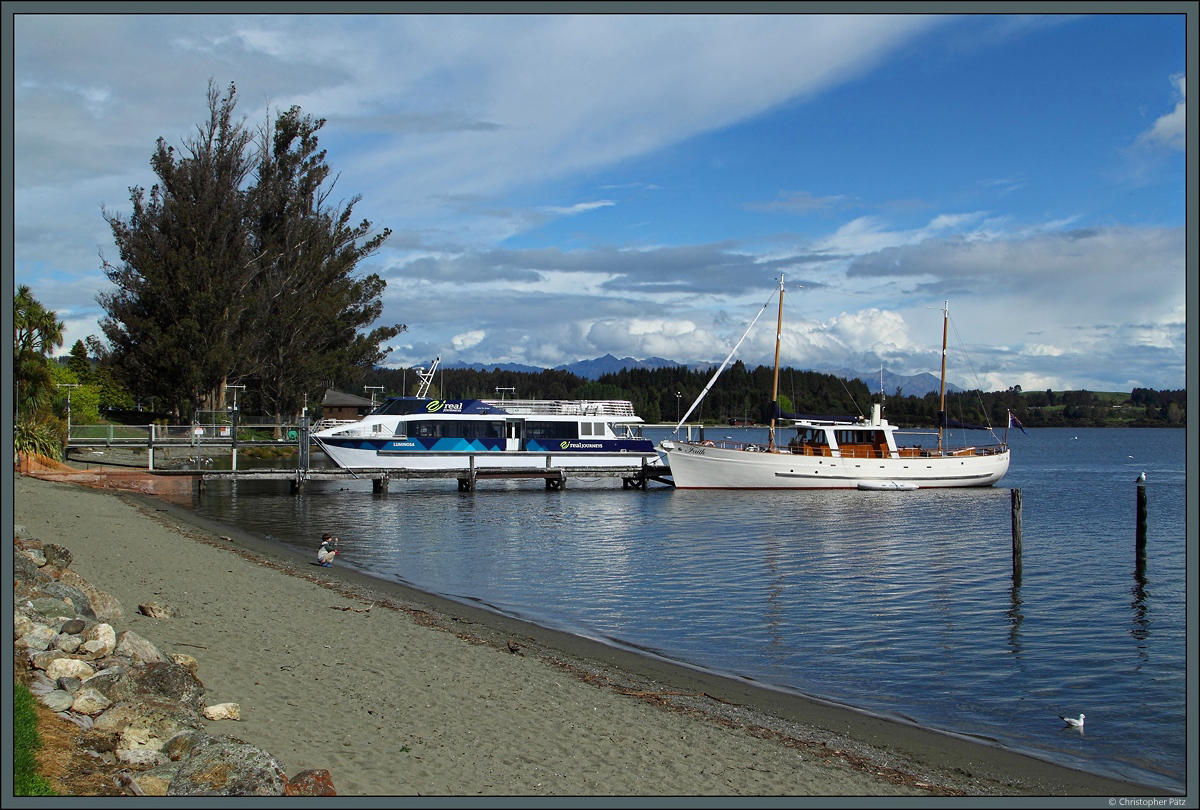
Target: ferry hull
378 454
695 466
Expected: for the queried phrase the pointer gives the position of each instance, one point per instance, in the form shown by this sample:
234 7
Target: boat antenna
427 377
721 368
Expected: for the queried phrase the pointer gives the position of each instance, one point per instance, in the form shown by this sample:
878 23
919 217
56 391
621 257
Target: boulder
57 701
168 679
310 783
228 769
138 650
69 668
90 702
104 605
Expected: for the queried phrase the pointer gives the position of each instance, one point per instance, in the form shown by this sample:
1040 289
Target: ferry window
551 430
591 428
438 429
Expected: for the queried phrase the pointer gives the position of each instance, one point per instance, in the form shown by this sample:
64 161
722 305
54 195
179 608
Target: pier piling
1016 536
1141 526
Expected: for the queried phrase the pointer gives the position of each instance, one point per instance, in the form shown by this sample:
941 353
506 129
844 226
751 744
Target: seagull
1141 479
1073 722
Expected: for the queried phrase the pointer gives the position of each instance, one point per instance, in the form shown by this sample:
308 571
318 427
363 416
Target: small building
340 407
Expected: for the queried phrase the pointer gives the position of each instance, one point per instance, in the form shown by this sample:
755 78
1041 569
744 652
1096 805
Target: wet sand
401 693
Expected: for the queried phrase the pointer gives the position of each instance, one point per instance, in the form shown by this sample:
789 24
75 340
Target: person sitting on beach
328 550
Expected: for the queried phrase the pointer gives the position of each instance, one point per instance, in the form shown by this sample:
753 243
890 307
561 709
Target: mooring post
1141 526
1016 535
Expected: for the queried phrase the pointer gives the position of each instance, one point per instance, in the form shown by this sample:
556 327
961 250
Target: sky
564 186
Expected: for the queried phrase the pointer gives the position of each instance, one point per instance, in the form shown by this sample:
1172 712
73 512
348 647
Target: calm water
898 603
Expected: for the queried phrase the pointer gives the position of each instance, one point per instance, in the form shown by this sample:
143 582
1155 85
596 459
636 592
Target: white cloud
1170 130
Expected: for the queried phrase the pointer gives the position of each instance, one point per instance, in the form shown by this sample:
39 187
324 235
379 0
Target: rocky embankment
138 709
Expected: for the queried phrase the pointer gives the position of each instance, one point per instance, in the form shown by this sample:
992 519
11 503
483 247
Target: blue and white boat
419 433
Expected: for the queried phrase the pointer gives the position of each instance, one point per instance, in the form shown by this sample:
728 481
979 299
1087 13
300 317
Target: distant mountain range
917 385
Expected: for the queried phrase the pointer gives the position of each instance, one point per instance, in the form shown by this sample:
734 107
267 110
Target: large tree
237 267
309 306
184 263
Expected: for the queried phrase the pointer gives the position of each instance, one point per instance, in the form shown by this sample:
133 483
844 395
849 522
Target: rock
229 769
90 702
35 556
22 624
156 723
57 701
185 743
44 658
138 650
141 757
310 783
37 639
73 627
22 539
50 607
58 558
70 683
103 633
155 781
158 610
69 668
67 642
187 662
116 681
222 711
104 604
115 720
170 680
82 605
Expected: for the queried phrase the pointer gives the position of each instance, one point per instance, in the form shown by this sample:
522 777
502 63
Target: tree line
740 393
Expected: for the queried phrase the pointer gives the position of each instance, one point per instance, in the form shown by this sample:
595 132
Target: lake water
899 603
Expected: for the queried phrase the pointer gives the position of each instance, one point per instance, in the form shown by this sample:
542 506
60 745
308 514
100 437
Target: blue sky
564 186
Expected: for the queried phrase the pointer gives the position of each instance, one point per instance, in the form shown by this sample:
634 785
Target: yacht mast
942 386
775 382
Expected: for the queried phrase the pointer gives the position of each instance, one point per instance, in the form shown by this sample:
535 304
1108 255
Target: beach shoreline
398 692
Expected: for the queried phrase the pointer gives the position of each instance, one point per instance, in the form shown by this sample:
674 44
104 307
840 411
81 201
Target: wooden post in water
1141 526
1016 536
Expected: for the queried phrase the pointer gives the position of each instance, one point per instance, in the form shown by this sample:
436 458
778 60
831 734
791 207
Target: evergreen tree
184 265
309 306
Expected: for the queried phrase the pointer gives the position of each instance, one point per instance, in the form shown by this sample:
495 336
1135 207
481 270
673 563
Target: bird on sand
1141 479
1073 722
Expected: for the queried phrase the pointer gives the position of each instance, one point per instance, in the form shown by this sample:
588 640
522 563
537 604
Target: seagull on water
1073 722
1141 479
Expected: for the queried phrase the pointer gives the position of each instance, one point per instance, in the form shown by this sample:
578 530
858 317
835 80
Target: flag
1015 422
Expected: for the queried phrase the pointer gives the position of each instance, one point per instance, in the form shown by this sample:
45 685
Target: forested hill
665 394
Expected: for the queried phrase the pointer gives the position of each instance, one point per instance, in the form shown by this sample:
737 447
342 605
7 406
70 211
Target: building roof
337 398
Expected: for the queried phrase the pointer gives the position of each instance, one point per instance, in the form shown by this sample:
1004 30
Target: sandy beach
400 693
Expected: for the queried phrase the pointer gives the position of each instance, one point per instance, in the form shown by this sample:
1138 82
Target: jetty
197 444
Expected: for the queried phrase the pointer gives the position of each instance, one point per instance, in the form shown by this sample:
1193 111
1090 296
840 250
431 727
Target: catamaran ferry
419 433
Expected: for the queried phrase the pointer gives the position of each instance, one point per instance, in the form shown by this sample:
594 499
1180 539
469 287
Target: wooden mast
775 381
942 386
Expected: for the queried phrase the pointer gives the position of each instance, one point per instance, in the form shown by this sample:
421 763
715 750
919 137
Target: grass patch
26 743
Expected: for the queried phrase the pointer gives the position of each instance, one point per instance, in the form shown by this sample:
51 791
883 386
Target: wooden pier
202 440
555 478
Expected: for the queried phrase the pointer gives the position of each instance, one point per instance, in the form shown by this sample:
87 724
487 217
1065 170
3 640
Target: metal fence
179 435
